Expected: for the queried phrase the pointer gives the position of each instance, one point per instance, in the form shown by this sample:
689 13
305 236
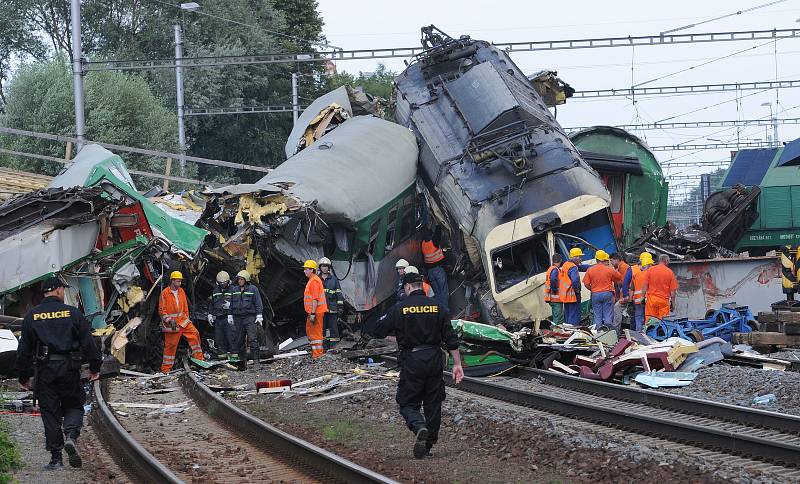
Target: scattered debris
657 379
345 394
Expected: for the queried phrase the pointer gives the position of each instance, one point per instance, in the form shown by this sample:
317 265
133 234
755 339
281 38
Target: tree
379 83
120 109
136 29
17 41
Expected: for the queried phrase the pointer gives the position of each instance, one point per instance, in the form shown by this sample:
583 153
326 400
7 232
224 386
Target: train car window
615 187
391 222
373 237
407 219
517 262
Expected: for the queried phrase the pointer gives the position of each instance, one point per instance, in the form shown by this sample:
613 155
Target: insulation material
120 339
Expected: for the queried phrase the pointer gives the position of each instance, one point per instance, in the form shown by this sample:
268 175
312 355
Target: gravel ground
506 444
738 385
27 431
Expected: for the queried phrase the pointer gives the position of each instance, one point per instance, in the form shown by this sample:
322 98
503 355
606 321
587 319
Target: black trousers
330 329
246 336
61 398
421 387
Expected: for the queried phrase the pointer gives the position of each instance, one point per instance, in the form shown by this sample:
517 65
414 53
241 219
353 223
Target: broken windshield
517 262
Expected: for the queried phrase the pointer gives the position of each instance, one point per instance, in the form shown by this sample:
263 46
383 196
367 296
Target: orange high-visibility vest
315 291
639 277
566 293
168 308
431 253
548 296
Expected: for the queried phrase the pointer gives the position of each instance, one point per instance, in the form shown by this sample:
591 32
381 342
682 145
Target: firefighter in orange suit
315 306
173 308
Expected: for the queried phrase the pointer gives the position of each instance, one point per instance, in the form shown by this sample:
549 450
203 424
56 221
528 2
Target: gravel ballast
481 439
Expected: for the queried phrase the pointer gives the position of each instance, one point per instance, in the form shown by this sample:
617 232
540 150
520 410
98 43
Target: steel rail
127 451
264 435
694 406
640 421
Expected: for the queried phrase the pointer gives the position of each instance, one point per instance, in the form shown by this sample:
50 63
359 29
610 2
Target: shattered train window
407 217
390 229
373 237
517 262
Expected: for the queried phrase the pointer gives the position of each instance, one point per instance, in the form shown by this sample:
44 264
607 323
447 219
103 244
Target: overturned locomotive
500 174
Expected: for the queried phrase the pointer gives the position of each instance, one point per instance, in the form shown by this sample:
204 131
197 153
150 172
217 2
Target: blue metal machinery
722 323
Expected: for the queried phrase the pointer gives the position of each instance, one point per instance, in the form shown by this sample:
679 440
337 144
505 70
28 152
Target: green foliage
379 83
9 454
123 29
120 109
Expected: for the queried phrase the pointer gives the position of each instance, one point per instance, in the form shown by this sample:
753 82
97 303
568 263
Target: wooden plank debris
345 394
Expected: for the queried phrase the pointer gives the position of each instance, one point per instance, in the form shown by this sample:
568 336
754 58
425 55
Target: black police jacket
60 327
416 321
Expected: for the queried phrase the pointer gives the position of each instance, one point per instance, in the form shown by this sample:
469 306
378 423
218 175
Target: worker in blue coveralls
571 270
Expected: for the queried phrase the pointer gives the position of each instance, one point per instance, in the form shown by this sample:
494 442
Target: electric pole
295 98
77 73
179 87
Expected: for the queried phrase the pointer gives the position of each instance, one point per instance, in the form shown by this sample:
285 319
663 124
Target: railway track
751 436
209 441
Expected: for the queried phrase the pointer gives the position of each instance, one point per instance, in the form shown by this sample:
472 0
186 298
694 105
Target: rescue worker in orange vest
315 306
634 282
425 286
569 289
660 288
621 292
600 279
173 308
434 258
551 293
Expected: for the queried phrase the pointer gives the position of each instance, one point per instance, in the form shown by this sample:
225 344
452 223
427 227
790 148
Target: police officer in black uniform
422 325
58 337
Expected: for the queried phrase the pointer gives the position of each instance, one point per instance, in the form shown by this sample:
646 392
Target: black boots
421 444
55 461
72 453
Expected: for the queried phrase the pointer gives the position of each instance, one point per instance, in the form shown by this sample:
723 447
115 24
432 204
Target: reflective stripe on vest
548 295
638 284
431 253
565 290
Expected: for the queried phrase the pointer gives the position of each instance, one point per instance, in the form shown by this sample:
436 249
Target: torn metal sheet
658 379
96 166
54 249
338 96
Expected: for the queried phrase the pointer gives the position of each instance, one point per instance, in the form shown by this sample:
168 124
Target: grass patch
347 431
9 455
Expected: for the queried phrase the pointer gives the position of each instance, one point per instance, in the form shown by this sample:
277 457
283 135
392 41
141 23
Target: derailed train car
346 192
500 174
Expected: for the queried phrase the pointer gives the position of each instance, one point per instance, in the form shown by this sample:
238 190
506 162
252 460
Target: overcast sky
361 24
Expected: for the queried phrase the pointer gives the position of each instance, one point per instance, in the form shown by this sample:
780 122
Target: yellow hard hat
575 252
176 275
244 275
601 255
310 264
646 258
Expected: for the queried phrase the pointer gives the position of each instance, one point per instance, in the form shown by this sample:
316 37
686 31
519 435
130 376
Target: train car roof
353 170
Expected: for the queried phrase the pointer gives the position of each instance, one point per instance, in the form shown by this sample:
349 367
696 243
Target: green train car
632 175
775 171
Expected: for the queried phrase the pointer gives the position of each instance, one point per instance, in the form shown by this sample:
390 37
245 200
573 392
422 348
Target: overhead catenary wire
130 149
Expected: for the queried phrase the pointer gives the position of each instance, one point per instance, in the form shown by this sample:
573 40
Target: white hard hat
412 270
324 262
402 263
223 276
244 275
